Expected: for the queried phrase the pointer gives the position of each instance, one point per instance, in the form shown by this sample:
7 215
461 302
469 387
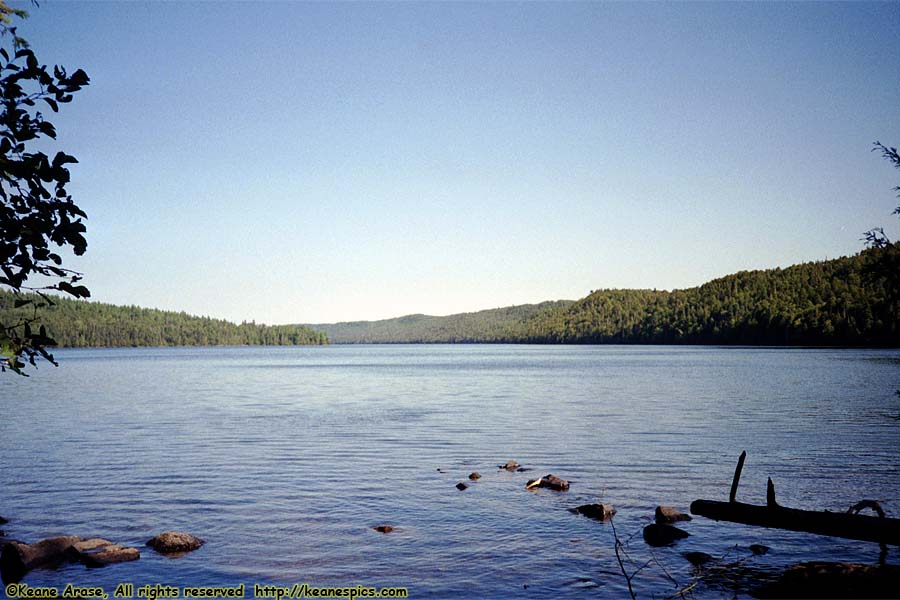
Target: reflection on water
283 459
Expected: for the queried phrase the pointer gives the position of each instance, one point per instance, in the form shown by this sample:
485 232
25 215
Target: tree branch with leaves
38 218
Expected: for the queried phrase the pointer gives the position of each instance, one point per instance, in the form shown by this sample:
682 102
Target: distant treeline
842 302
494 325
77 323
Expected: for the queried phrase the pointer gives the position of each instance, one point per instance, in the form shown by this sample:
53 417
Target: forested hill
828 303
493 325
92 324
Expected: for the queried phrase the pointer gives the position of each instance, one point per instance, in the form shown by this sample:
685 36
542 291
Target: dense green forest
79 323
494 325
842 302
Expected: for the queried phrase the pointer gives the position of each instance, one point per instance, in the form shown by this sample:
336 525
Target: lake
284 458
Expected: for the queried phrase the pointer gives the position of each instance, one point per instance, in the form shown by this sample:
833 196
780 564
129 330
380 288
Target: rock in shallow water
668 514
548 481
18 558
462 486
600 512
510 465
759 549
171 542
383 528
663 535
97 552
698 558
475 476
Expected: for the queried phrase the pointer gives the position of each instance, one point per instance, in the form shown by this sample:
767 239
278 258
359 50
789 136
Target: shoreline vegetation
840 302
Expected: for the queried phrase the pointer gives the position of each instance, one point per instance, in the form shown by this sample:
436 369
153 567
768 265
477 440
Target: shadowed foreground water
282 459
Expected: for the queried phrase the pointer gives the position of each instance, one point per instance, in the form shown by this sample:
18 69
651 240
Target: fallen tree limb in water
843 525
849 525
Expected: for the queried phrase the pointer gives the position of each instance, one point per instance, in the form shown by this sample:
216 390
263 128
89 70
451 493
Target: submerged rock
510 465
834 580
698 558
171 542
668 514
600 512
548 481
18 558
475 476
383 528
97 552
656 534
759 549
462 486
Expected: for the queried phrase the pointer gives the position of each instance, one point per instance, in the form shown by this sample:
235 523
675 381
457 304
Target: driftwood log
848 525
842 525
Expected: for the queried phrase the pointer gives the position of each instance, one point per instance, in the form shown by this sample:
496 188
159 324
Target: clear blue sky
292 162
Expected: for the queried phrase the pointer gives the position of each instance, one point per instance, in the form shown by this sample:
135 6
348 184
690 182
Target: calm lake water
282 459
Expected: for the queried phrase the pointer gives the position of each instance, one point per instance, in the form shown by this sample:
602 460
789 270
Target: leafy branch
37 214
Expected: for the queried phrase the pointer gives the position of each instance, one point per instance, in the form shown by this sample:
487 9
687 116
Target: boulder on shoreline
174 542
598 512
548 481
656 534
667 515
97 552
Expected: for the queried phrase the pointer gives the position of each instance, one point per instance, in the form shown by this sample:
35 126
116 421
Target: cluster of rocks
662 532
547 481
17 558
